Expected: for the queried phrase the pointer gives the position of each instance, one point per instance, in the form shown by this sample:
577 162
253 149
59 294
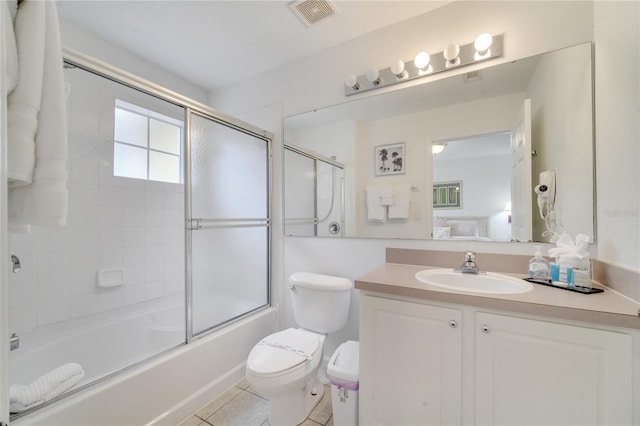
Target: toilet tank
320 302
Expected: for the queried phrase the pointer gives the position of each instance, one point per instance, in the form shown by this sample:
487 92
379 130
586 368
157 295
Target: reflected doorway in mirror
390 159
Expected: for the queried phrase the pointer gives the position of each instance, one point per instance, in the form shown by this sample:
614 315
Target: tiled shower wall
113 223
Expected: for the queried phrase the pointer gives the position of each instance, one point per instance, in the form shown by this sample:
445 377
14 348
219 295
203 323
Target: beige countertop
607 308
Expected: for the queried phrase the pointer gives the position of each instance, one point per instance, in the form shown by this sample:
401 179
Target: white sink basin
486 283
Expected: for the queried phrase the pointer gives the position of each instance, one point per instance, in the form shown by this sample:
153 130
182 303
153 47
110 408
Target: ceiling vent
471 76
313 11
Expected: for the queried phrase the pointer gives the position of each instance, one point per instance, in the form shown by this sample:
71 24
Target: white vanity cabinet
517 369
410 363
542 373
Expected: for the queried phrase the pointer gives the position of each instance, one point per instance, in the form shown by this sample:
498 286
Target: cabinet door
410 363
540 373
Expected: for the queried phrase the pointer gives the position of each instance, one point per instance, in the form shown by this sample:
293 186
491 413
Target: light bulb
352 82
451 52
373 75
397 68
422 60
483 43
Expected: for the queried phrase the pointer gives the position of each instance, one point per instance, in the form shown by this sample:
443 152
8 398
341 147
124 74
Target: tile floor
240 406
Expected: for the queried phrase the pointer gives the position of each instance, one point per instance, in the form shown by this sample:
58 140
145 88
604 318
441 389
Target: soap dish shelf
581 290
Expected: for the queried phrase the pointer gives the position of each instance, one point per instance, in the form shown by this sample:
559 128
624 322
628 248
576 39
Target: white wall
530 27
77 39
617 40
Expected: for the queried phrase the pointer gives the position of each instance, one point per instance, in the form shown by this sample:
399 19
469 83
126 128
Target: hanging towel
376 212
11 50
400 207
386 195
36 121
45 387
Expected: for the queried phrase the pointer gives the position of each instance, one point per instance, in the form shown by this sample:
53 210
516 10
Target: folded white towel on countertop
45 387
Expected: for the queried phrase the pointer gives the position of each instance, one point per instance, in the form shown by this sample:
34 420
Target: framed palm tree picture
390 159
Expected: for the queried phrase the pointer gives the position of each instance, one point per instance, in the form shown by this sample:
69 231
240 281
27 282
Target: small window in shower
147 144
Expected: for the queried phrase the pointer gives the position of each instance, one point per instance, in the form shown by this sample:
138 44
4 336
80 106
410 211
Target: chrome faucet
469 266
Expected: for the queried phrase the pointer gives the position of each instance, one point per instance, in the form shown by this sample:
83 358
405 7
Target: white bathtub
163 390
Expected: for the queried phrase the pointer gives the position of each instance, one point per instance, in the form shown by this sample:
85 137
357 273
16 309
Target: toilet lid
282 351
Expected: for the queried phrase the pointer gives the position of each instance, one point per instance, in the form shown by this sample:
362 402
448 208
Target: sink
485 283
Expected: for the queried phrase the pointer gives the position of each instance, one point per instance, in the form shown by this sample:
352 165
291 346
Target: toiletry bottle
539 266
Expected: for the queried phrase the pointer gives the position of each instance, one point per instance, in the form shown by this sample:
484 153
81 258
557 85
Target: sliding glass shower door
228 222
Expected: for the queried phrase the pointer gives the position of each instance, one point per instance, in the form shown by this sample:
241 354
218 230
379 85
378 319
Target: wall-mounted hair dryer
546 191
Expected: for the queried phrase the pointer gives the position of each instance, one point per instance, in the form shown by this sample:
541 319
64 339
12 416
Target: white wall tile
154 217
134 274
23 319
83 305
153 235
173 200
22 243
110 258
153 289
134 256
111 217
53 265
111 196
153 272
133 237
84 172
110 298
134 294
174 217
110 237
81 194
133 197
53 312
83 217
22 294
154 253
83 238
173 285
154 199
134 217
82 283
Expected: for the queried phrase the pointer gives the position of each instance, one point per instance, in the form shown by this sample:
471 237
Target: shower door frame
190 106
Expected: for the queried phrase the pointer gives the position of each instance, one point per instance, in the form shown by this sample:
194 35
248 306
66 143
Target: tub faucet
469 266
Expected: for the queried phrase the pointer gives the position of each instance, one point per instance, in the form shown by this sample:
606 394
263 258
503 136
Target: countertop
607 308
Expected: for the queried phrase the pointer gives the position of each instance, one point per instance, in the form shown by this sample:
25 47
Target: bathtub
159 391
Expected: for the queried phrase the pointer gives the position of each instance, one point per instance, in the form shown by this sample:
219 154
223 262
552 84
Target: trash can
343 372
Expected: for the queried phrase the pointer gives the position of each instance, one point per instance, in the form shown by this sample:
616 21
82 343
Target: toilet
284 365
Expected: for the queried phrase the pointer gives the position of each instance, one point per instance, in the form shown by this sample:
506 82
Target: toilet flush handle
292 287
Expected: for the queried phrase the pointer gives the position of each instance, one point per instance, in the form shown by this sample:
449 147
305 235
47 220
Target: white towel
36 116
386 195
376 212
11 49
45 387
400 207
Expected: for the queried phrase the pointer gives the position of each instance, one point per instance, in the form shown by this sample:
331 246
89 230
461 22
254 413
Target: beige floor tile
310 422
322 412
246 409
206 411
330 422
193 421
243 384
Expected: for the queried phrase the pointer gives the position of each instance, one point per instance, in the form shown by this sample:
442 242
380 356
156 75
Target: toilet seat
283 352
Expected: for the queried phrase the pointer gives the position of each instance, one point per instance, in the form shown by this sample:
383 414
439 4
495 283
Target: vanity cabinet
539 372
517 369
410 363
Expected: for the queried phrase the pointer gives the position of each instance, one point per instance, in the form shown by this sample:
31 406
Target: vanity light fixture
437 148
453 56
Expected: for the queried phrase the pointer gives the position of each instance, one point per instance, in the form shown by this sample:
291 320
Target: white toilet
284 365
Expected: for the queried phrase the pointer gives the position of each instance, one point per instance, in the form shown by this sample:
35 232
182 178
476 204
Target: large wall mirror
465 157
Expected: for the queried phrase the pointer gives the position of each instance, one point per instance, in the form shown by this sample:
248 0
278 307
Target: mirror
371 167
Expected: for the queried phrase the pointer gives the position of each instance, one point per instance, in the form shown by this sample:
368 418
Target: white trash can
343 373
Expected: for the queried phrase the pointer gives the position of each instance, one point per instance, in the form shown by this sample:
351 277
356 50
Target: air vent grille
471 76
313 11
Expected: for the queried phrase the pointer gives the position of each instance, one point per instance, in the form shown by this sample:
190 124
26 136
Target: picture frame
390 159
447 195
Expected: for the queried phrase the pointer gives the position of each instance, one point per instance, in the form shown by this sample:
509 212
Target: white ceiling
214 43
